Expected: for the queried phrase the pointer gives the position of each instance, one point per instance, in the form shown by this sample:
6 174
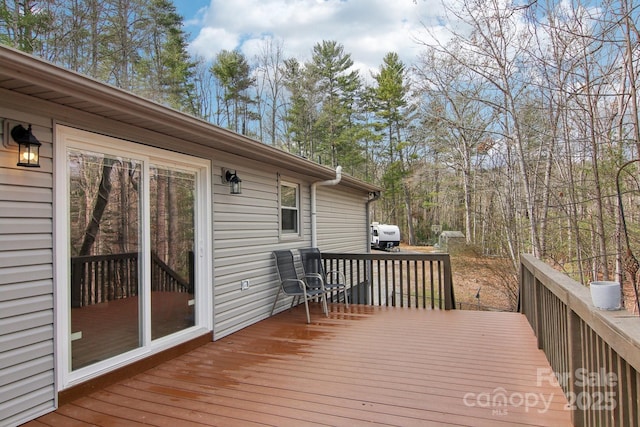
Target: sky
368 29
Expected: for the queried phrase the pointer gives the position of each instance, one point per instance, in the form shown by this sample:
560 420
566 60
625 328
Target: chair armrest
301 283
336 273
315 276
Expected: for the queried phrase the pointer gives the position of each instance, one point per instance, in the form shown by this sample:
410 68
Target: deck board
361 366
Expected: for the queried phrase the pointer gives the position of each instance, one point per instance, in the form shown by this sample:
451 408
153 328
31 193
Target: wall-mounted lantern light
28 147
229 176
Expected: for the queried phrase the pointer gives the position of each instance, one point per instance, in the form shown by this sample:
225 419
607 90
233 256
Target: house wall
245 232
342 220
26 276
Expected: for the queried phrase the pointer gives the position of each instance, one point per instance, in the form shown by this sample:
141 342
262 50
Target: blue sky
368 29
189 11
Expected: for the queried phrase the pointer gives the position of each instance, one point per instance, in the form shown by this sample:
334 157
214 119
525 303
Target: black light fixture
231 177
28 147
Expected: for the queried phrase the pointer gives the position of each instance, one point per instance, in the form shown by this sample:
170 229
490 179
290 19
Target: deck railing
396 279
594 354
100 278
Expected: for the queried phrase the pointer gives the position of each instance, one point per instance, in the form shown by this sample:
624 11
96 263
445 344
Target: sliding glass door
135 259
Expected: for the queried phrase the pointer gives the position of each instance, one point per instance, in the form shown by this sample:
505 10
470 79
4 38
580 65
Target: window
289 209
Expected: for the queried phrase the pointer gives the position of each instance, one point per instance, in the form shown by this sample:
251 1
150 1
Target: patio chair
293 284
331 281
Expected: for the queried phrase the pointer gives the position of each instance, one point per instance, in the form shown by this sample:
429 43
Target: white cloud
211 40
367 29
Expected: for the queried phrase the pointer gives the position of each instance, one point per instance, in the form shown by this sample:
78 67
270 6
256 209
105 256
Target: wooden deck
362 366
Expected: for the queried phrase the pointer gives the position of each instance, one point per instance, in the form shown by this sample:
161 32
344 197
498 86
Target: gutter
314 225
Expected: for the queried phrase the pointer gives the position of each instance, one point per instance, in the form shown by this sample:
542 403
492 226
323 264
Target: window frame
289 234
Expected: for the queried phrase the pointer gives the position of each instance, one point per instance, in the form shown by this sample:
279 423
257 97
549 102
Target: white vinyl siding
26 279
245 232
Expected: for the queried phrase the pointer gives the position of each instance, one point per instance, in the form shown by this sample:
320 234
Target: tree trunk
173 223
104 190
161 216
408 206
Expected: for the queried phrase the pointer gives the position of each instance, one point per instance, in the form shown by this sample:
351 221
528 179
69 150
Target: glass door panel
172 207
104 232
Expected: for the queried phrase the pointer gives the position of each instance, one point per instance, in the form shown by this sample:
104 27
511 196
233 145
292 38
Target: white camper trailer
384 236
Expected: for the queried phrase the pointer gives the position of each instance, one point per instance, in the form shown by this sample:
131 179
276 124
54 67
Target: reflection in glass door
172 206
104 219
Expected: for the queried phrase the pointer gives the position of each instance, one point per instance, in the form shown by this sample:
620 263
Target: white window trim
67 137
288 235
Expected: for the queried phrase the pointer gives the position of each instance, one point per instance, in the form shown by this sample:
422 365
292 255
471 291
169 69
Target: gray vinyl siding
245 228
246 231
26 279
341 220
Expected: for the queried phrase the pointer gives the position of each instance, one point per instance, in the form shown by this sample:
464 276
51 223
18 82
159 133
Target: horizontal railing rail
594 354
395 279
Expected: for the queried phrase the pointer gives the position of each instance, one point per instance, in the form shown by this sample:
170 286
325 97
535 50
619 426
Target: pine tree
233 73
337 84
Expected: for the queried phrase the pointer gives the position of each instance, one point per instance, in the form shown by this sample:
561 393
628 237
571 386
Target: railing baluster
397 278
393 284
96 281
418 289
113 284
355 271
379 281
432 282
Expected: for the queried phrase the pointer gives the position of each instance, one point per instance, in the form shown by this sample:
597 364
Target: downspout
374 196
314 226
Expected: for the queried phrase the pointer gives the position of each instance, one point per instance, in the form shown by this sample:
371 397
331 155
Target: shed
156 181
449 239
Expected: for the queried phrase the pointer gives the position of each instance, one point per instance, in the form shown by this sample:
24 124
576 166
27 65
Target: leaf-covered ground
490 279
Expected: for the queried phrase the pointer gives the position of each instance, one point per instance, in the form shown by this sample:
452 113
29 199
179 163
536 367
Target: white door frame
67 137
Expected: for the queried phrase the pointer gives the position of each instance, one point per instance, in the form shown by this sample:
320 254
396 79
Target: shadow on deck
361 366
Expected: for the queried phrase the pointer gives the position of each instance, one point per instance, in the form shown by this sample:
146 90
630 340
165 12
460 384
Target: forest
518 127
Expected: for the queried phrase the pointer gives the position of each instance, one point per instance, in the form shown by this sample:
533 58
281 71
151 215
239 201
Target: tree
393 114
99 207
204 89
167 65
302 112
271 84
494 50
339 88
455 120
233 72
23 24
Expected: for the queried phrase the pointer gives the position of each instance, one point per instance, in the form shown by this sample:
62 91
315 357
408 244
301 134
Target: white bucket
605 295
